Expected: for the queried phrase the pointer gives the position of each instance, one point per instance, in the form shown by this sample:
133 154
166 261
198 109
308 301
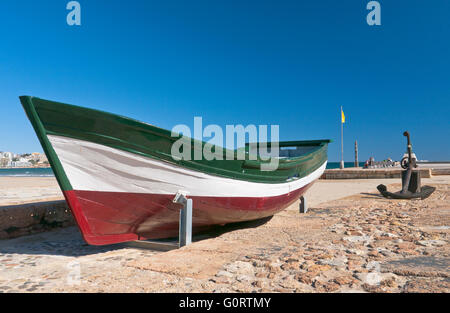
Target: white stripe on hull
94 167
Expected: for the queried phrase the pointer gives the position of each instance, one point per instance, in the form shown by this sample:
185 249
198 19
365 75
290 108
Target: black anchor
411 185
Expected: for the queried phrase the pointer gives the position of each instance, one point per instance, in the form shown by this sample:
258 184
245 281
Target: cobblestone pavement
59 258
362 243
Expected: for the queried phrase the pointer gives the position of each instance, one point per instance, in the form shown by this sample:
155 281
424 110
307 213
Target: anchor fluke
425 192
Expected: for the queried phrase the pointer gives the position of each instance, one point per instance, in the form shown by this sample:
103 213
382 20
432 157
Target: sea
26 172
331 165
47 172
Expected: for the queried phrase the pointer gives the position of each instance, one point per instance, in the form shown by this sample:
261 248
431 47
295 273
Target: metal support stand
303 205
185 229
185 233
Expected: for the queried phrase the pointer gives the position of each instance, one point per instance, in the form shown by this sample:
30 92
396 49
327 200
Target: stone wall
359 173
440 171
26 219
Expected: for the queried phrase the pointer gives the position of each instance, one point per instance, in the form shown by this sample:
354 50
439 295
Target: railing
382 164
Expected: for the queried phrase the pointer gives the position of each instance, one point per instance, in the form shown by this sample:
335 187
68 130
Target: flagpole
342 142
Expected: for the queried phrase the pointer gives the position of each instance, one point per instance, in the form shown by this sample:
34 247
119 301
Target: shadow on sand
372 195
69 242
218 230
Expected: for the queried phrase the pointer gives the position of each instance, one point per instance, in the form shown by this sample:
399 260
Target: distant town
12 160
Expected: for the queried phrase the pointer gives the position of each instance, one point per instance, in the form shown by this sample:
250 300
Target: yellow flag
343 116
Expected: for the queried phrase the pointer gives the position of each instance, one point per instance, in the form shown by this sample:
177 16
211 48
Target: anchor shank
407 178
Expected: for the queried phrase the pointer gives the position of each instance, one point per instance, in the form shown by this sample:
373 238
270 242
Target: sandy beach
351 240
18 190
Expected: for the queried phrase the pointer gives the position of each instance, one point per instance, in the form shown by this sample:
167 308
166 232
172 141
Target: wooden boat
119 178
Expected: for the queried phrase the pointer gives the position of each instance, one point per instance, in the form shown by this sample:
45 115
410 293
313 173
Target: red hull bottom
114 217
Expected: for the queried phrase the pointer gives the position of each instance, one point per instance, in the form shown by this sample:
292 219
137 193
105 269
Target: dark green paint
60 174
53 118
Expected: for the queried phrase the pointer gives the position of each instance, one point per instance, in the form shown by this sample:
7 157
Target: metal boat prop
411 182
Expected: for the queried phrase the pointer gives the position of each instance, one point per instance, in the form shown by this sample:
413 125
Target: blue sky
291 63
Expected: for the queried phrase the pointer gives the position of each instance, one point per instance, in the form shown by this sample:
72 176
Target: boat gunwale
168 134
143 127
